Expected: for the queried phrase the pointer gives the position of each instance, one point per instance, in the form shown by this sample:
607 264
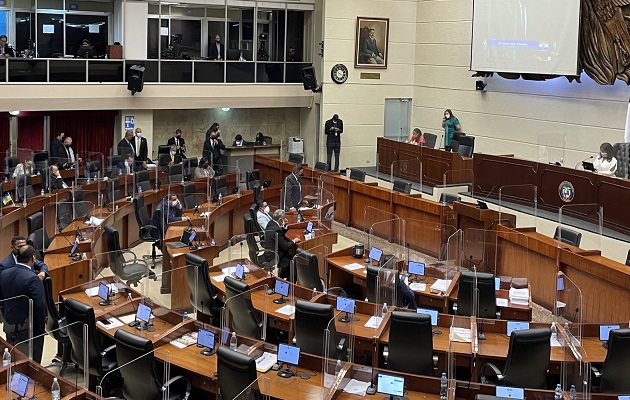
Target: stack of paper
188 339
219 278
519 296
460 335
353 266
265 362
356 387
373 322
441 285
113 289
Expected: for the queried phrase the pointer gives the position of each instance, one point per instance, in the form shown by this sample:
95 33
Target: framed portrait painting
371 44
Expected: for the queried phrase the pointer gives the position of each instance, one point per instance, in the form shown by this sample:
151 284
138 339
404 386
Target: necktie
68 153
137 146
176 142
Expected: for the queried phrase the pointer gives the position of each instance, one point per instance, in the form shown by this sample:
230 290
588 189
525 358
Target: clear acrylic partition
459 181
569 307
325 210
575 370
575 215
479 250
95 160
21 302
71 218
120 266
232 177
255 299
326 181
257 390
462 341
404 169
454 255
22 154
551 148
389 236
311 269
94 189
257 263
187 275
388 295
389 232
243 165
516 197
336 361
423 237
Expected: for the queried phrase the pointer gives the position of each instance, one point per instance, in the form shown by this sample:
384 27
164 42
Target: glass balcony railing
61 70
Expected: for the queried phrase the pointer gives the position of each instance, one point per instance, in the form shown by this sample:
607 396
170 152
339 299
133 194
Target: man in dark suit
333 130
56 181
217 50
179 142
124 146
57 149
128 166
22 280
172 212
277 227
11 260
140 149
293 189
212 151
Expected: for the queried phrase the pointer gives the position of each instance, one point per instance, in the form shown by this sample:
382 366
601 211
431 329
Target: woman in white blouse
606 163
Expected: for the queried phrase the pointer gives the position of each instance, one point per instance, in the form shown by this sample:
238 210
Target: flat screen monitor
376 253
309 227
103 291
143 313
281 287
432 313
416 268
510 392
205 338
516 326
22 385
75 245
604 331
240 271
497 283
288 354
623 397
345 304
560 283
391 385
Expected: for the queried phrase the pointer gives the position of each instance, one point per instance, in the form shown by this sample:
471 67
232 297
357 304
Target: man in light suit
140 149
217 50
293 189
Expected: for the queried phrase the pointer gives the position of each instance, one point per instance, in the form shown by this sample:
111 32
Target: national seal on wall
566 191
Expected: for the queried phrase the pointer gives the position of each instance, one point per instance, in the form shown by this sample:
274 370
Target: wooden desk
243 156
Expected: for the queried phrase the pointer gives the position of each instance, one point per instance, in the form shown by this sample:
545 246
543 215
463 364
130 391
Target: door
397 115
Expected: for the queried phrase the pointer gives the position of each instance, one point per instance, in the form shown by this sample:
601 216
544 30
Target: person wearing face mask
11 260
25 168
277 229
606 163
417 137
212 151
175 159
172 212
262 215
333 130
293 189
179 142
203 169
238 141
57 149
217 50
70 152
140 149
260 139
128 166
450 123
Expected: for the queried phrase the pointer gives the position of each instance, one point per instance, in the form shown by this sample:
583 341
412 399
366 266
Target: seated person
238 141
10 261
56 181
86 51
260 139
204 170
127 166
172 209
606 163
278 227
25 168
262 214
417 137
175 159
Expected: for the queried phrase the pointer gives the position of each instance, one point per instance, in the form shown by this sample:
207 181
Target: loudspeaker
135 83
308 78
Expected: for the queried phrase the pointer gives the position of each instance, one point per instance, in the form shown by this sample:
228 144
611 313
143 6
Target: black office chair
188 192
235 373
113 190
175 173
37 237
311 320
357 174
296 158
307 271
252 179
322 166
80 206
132 270
447 198
64 214
34 222
219 185
256 254
142 378
164 160
145 226
93 169
203 297
615 374
53 324
190 164
24 187
466 146
487 302
527 360
113 161
244 318
413 356
402 186
430 140
628 258
142 181
9 166
567 236
253 212
101 360
373 287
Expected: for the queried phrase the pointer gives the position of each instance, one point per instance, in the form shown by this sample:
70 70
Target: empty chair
142 378
220 185
37 237
34 222
402 186
357 174
113 190
93 169
622 154
242 315
142 181
113 161
307 271
164 160
80 206
615 374
175 173
190 164
430 140
256 254
268 139
132 270
235 373
410 356
190 199
64 214
527 360
322 166
568 236
53 324
311 320
24 187
296 158
145 226
487 302
447 198
466 146
252 179
203 295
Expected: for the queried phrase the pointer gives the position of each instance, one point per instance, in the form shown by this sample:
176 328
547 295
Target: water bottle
24 203
443 386
55 390
42 192
573 393
6 358
233 341
314 293
139 188
554 331
88 178
203 227
220 199
185 316
384 310
338 367
119 171
557 395
212 242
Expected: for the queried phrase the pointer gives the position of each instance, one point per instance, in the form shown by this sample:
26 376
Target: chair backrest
219 182
113 190
466 146
402 186
268 139
93 168
307 269
113 161
567 236
622 154
296 158
202 292
24 186
615 372
430 140
142 379
253 210
142 179
243 316
80 205
34 222
357 174
11 162
52 322
76 311
410 343
142 216
311 320
64 214
164 149
235 372
164 159
175 173
528 358
487 305
115 256
252 178
40 242
322 166
447 198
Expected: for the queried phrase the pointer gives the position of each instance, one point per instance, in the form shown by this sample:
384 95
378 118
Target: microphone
587 158
482 204
371 390
196 209
135 318
75 257
190 225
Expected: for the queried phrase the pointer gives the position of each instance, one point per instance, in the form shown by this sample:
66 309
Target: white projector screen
526 36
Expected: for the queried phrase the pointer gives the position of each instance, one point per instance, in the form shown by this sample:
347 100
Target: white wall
135 34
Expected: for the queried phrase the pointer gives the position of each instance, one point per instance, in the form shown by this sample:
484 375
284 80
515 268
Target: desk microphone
196 209
135 319
578 164
190 225
371 390
482 203
77 255
78 235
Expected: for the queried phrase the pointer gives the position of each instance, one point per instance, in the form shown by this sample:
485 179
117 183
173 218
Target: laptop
185 240
588 166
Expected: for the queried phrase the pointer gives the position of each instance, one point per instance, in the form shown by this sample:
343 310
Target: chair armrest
176 378
107 350
340 290
596 372
341 344
493 368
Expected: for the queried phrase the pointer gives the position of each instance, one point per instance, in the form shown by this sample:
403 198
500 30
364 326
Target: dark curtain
91 131
4 138
31 132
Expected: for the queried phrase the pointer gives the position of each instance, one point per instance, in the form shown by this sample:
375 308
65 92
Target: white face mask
604 155
266 209
126 164
172 153
139 134
447 116
174 203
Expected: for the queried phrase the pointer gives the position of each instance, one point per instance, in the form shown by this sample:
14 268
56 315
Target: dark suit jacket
211 153
331 138
182 142
213 54
21 280
56 183
292 192
284 244
124 148
57 152
9 262
143 155
137 166
171 214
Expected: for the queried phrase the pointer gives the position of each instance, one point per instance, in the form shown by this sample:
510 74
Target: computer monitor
240 272
510 392
289 355
497 283
309 227
560 283
346 305
205 339
375 254
103 293
588 166
22 385
432 313
188 236
516 326
73 250
144 315
416 268
391 385
604 332
282 288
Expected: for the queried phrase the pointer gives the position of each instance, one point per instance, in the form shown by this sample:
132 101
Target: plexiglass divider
457 181
189 275
373 215
19 319
388 294
338 341
245 313
454 255
311 269
406 168
462 338
551 148
249 251
123 264
93 162
575 370
572 215
259 389
513 196
568 307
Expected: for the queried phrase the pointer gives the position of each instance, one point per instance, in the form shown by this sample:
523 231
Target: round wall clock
339 73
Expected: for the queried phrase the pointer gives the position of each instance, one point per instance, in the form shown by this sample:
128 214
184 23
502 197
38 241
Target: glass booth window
299 36
216 27
92 27
50 35
240 40
153 35
270 33
3 22
24 30
185 38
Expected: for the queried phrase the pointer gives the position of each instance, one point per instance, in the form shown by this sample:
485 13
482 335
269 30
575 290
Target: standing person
417 137
11 260
124 146
71 154
140 149
22 280
179 142
217 50
57 150
450 123
277 228
293 189
212 151
606 163
333 130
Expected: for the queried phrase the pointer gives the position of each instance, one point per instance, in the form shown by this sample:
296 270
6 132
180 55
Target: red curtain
31 132
90 130
4 138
